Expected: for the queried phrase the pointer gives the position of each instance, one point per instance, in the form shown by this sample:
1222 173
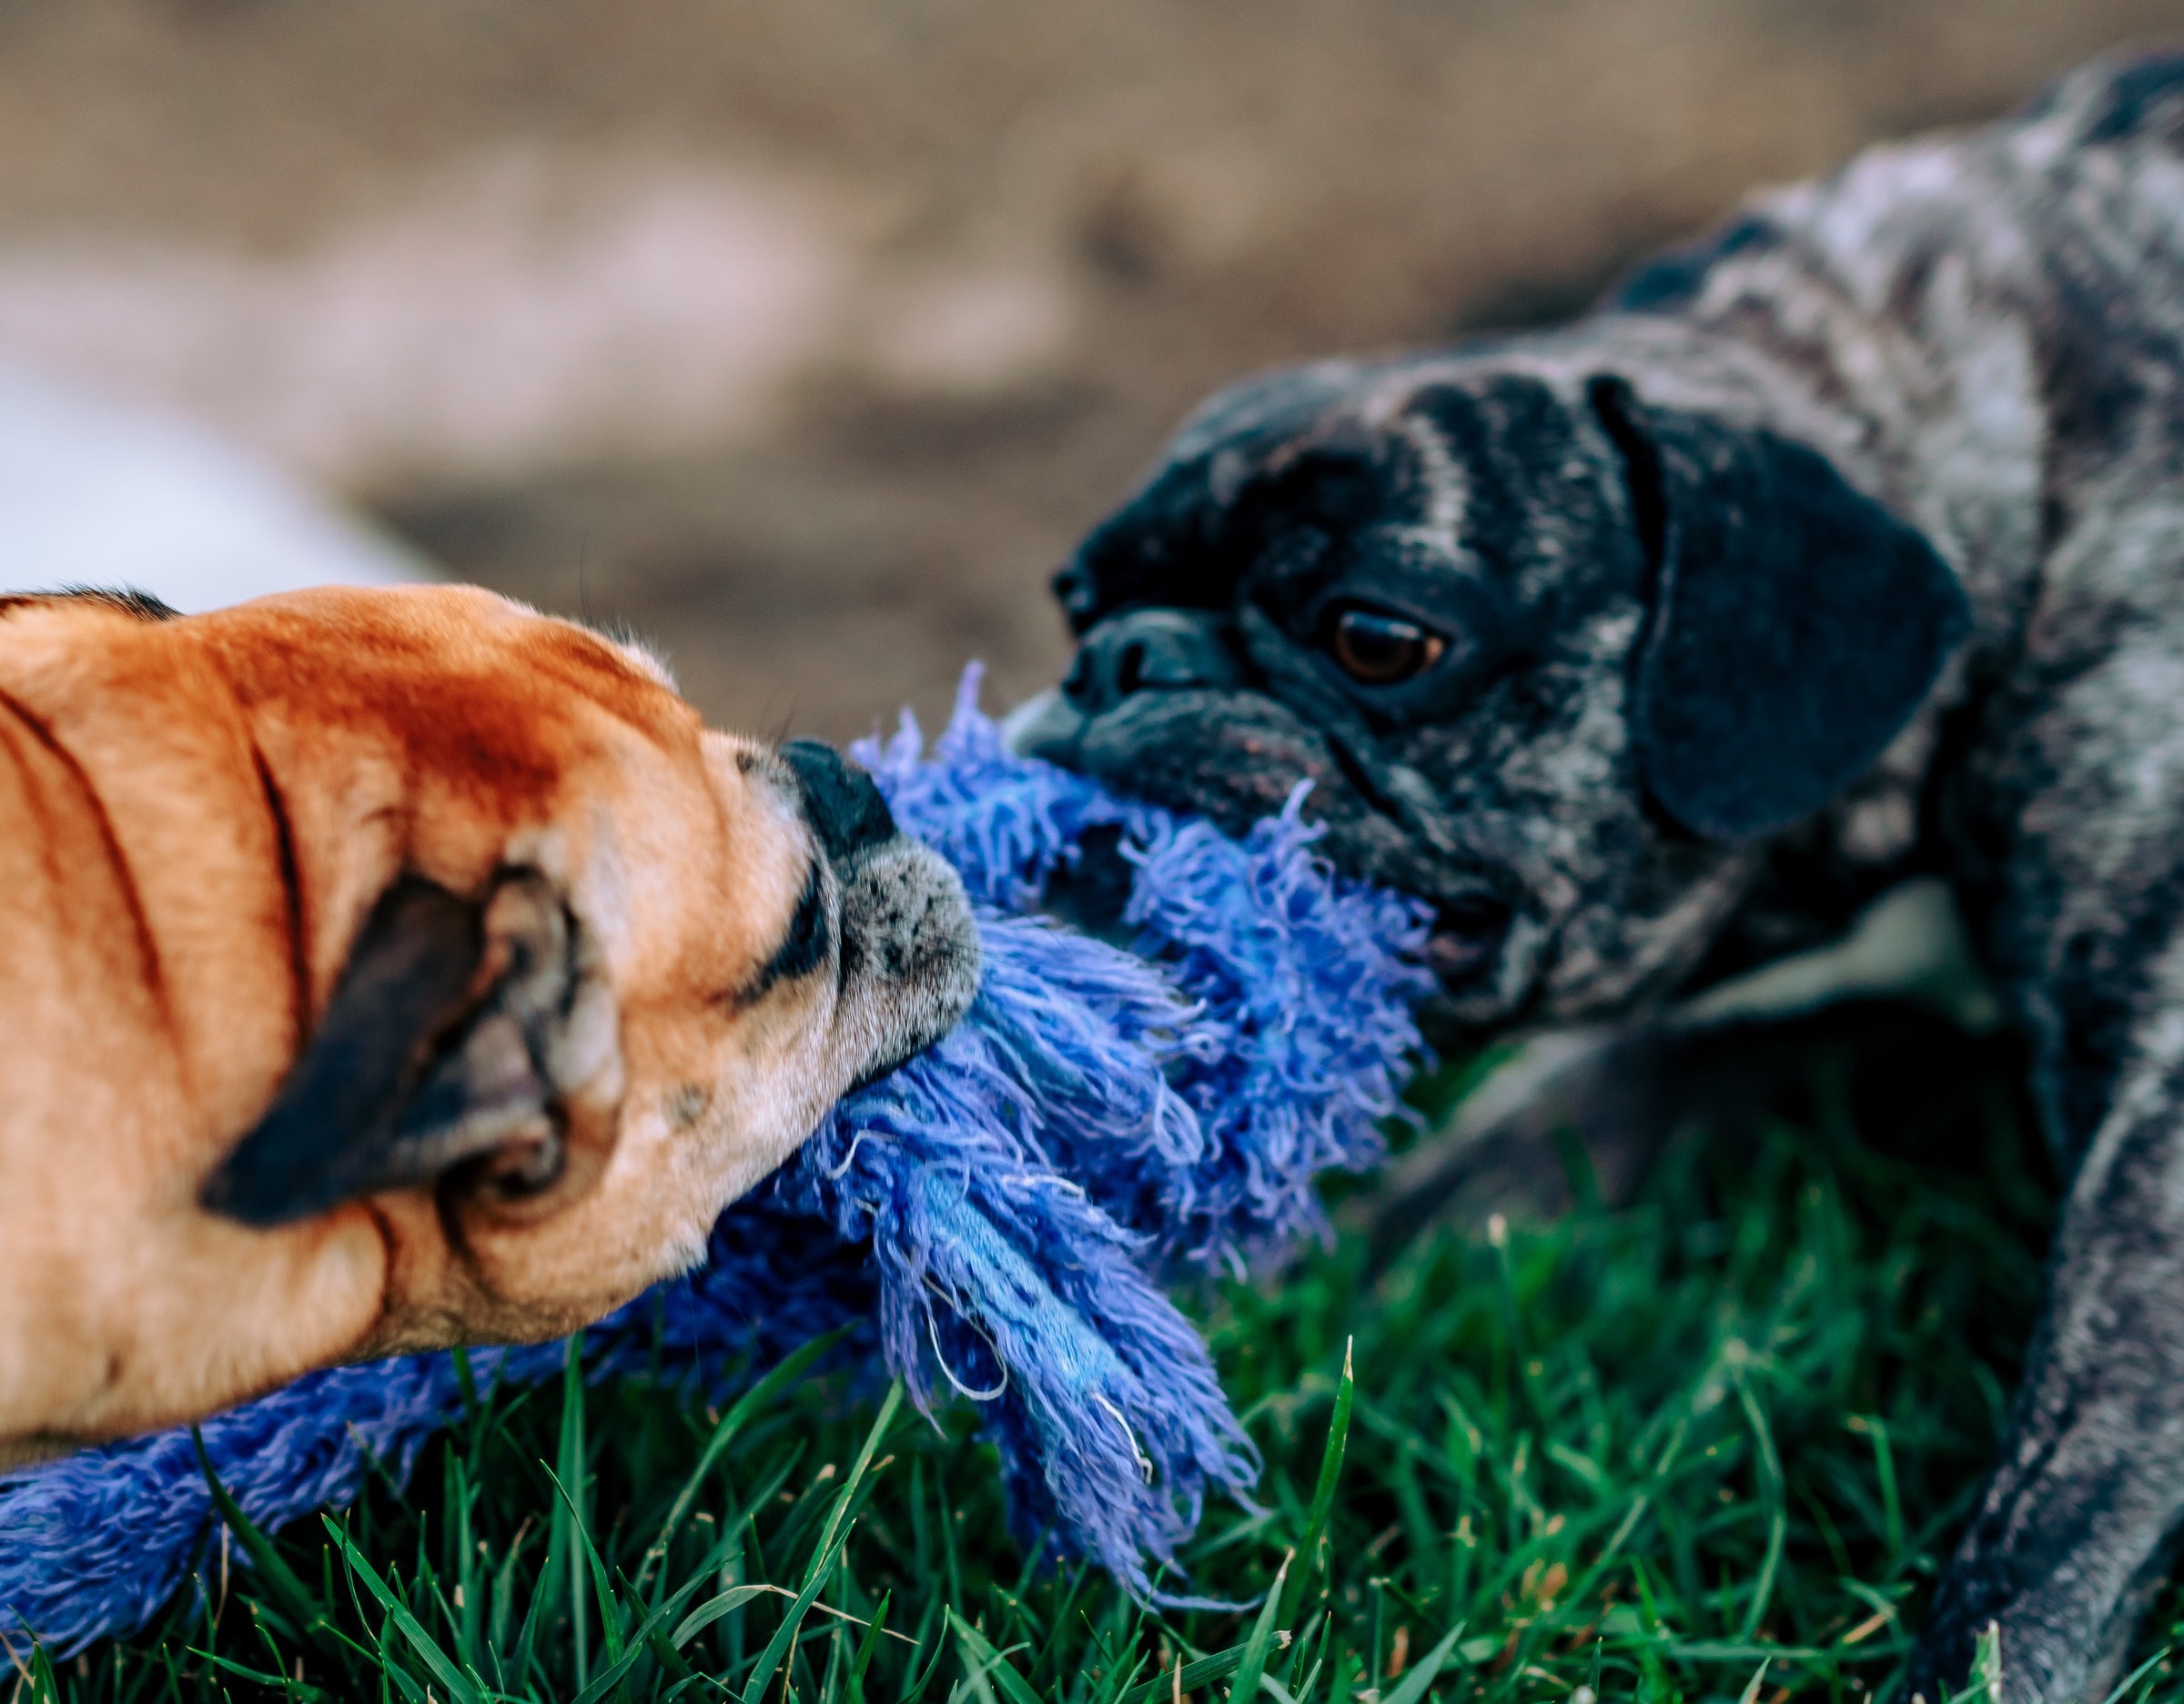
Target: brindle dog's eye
1376 648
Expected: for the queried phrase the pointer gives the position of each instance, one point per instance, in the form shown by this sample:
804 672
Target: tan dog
390 969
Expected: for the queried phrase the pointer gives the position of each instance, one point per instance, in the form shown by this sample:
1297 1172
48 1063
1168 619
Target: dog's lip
1471 920
1467 936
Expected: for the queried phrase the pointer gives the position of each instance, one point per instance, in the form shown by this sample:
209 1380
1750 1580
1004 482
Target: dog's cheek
482 1256
287 1301
712 1104
787 1065
640 1217
431 1297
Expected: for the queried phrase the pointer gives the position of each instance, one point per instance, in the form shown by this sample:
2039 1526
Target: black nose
1147 650
840 801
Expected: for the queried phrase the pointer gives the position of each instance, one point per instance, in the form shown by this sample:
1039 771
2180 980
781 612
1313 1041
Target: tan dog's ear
439 1049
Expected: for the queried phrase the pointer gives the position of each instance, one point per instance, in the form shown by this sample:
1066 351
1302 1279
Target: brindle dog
1847 546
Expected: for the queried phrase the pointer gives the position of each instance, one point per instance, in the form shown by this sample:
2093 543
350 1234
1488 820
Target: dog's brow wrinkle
291 882
155 972
1448 488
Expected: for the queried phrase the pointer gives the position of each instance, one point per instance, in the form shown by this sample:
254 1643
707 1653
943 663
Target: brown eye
1375 648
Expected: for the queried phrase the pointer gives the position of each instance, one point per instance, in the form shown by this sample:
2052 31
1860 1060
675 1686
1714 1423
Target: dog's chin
910 958
1486 974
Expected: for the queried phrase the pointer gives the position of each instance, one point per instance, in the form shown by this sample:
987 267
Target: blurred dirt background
803 336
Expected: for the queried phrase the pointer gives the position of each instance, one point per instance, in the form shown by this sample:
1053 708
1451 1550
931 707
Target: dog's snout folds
1148 650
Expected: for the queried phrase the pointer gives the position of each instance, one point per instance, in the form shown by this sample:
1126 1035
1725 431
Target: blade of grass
866 1647
466 1383
823 1557
609 1678
557 1527
281 1581
603 1592
442 1666
1422 1674
1323 1493
568 1508
1770 1480
1883 1467
983 1658
791 1368
916 1689
888 1405
287 1685
462 1496
1986 1678
2116 1693
1260 1645
714 1608
402 1681
1202 1671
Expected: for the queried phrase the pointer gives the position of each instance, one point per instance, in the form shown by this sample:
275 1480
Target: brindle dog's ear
430 1056
1795 626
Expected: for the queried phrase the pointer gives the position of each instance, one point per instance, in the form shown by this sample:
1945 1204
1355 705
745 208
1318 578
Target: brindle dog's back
2003 312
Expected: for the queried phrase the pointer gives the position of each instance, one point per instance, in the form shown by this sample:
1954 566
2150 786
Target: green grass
1710 1445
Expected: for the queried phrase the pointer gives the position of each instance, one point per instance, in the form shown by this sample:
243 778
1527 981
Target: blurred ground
804 335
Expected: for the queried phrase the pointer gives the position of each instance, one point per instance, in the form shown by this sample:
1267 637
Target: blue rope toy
996 1217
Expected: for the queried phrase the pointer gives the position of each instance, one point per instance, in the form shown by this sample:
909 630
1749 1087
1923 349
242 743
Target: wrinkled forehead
1458 449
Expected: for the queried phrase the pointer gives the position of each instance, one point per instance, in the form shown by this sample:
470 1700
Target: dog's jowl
1846 545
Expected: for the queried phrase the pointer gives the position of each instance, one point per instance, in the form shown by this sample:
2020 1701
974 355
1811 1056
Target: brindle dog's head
1552 657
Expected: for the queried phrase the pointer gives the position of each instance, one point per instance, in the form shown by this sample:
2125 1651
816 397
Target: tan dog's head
489 977
551 1076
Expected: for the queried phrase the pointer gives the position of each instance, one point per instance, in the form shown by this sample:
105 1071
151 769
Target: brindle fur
1981 330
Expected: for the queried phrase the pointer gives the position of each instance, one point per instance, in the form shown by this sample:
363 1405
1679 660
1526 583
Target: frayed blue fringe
995 1218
